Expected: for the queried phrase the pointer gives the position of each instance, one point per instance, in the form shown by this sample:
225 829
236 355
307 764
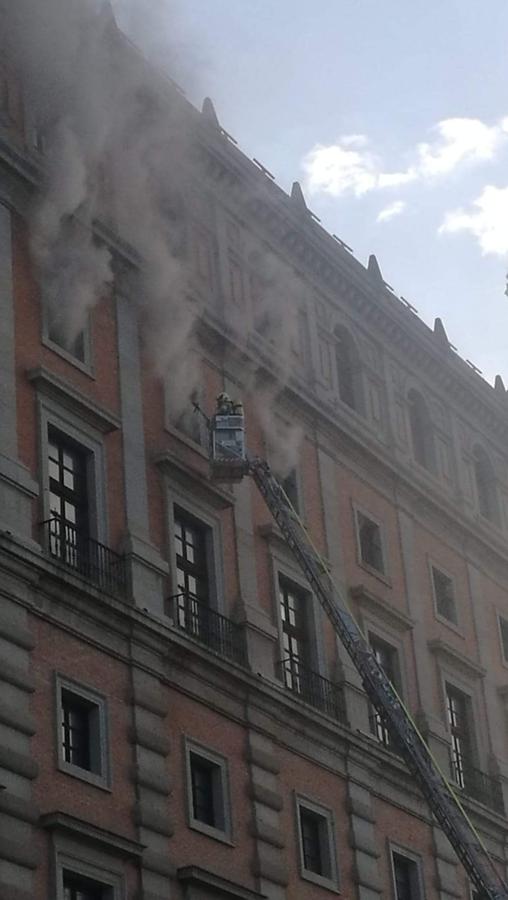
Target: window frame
282 569
377 573
422 445
500 618
225 834
416 859
53 416
330 882
85 365
214 544
455 626
355 377
95 868
373 630
470 724
101 751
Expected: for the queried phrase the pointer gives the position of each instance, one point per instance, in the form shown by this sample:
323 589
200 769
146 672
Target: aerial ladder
230 462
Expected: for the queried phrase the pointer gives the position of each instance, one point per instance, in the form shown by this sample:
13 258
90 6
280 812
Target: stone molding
195 876
445 651
55 387
109 841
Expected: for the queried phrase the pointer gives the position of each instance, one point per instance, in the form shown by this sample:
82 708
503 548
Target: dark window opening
68 498
80 732
485 486
77 887
405 873
387 657
371 547
421 431
189 421
459 722
312 825
206 791
348 369
57 333
293 602
290 485
443 590
503 627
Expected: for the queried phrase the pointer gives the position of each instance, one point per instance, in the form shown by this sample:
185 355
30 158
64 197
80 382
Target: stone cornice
448 653
394 617
87 833
193 478
51 385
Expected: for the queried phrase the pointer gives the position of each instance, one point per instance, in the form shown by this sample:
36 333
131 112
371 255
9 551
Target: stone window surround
448 674
330 883
455 626
200 447
83 859
85 365
214 542
289 571
225 835
383 576
51 414
100 779
393 637
413 857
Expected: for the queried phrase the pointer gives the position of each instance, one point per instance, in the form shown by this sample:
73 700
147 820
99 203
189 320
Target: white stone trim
100 741
331 882
223 794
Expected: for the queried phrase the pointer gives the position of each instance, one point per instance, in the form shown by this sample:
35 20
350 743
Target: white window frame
111 879
102 778
51 415
414 858
377 573
455 626
393 639
225 834
213 539
172 428
314 613
331 882
85 365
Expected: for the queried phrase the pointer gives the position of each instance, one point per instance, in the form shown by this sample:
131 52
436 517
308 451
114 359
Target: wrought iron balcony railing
313 689
478 785
210 628
90 559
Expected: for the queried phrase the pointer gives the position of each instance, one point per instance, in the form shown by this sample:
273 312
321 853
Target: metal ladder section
378 687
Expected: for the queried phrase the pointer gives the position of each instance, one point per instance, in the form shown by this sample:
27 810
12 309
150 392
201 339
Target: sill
375 573
188 441
82 365
449 624
328 883
92 778
209 831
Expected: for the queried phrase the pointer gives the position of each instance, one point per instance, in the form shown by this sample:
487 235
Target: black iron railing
312 688
209 627
478 785
90 559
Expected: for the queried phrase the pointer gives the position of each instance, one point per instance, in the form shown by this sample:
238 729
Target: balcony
210 628
90 559
313 689
478 785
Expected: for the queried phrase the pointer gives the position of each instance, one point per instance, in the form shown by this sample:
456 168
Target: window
290 485
75 887
503 633
444 595
81 735
60 336
68 499
348 369
406 877
295 646
316 838
459 722
420 426
208 792
486 490
191 572
190 421
370 542
387 657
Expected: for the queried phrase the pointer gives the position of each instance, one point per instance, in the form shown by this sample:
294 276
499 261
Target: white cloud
392 210
487 221
350 166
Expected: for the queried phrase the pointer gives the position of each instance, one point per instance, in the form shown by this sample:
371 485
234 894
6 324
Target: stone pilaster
447 880
146 567
269 866
18 854
362 835
153 787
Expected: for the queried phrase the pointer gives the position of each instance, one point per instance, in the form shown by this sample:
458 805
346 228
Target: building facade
177 718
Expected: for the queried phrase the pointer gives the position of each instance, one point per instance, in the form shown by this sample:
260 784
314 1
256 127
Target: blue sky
394 118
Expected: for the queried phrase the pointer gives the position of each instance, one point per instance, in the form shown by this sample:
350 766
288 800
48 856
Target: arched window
485 480
422 437
347 362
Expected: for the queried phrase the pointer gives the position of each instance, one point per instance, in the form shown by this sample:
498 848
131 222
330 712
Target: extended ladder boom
380 691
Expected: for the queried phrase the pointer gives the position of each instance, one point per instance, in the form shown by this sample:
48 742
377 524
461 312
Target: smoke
116 139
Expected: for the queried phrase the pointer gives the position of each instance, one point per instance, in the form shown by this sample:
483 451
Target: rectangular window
190 421
295 646
406 877
56 334
387 657
82 734
290 485
192 581
68 500
459 723
370 542
444 595
209 810
317 844
75 887
503 633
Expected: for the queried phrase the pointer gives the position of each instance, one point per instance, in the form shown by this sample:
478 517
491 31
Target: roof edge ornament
499 385
208 112
374 270
297 196
440 332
